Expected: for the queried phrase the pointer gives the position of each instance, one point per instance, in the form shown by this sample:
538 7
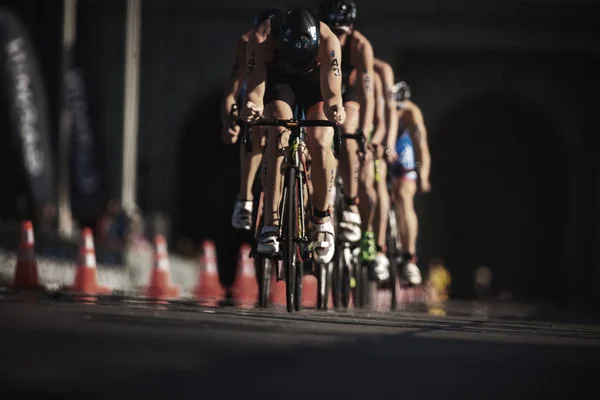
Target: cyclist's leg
349 164
279 100
368 201
380 224
249 165
405 188
323 171
367 194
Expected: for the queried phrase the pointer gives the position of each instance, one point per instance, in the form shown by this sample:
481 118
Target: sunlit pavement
54 347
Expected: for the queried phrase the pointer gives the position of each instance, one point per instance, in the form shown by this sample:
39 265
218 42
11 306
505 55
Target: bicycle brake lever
361 143
233 114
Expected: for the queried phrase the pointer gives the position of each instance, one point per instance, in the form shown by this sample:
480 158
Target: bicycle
398 258
293 231
346 269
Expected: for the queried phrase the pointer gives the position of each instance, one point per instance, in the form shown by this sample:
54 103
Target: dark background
508 91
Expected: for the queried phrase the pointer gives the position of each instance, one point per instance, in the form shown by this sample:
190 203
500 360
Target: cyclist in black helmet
298 63
235 94
359 101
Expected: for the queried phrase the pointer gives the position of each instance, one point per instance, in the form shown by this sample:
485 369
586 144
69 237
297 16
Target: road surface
118 349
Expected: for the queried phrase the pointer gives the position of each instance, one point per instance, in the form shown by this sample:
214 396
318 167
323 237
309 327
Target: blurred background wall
508 91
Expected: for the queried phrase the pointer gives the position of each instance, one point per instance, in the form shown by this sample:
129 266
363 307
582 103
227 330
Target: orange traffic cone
209 291
160 287
245 287
26 274
86 274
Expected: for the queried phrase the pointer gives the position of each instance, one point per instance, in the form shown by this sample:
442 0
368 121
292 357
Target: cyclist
234 94
412 132
373 175
359 102
386 105
299 62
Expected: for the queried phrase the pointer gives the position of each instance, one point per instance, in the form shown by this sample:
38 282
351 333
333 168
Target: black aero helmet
267 14
298 40
337 12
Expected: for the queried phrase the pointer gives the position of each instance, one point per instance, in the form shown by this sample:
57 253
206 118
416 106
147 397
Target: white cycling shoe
350 227
242 215
411 274
323 250
268 244
381 267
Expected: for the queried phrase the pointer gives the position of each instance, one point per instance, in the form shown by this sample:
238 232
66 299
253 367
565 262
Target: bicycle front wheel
265 273
289 246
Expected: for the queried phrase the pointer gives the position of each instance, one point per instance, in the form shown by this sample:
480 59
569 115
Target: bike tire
367 288
336 278
357 291
324 285
298 286
346 276
289 246
265 272
392 244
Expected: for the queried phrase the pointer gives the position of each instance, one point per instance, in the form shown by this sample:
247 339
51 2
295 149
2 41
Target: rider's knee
320 141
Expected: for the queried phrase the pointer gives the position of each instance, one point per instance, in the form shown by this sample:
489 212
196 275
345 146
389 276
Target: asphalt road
120 349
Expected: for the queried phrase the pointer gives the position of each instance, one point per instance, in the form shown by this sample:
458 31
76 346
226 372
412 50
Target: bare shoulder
413 110
360 41
328 43
381 65
263 30
243 41
325 32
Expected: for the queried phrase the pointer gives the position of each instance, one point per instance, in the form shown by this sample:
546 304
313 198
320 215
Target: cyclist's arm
235 81
256 68
330 57
379 117
366 91
391 116
418 134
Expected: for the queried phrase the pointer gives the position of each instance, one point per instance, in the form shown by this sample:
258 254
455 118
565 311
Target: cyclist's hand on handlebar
367 156
334 112
252 111
229 135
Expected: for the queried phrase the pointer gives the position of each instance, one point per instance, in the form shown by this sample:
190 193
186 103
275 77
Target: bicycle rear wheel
289 246
367 286
323 285
298 285
392 247
346 277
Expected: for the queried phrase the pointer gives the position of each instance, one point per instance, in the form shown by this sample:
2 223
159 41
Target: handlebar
234 119
289 123
234 115
298 123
